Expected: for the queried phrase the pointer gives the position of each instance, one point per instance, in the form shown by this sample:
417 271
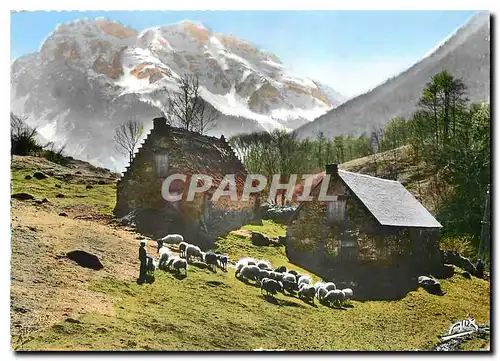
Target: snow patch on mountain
91 75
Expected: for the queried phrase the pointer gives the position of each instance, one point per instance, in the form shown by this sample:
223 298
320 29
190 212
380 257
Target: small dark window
161 163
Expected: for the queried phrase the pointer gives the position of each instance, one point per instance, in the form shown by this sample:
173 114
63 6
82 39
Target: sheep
182 248
249 273
293 272
150 265
330 286
307 293
223 260
280 269
348 293
272 275
304 279
263 273
193 251
170 261
278 276
335 297
262 264
165 253
178 264
318 285
244 262
321 292
172 238
270 286
289 285
210 259
289 277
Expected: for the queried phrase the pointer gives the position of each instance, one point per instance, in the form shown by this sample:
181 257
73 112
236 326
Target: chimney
160 123
332 168
222 137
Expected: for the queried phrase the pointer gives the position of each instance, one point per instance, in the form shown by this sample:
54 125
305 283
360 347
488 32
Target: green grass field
207 311
100 197
216 311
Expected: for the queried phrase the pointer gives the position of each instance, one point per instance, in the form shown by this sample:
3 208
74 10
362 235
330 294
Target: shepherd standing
142 259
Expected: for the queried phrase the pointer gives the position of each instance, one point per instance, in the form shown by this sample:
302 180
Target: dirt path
46 287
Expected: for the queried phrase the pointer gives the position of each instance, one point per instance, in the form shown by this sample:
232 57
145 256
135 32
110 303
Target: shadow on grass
279 302
179 276
344 307
149 279
247 282
215 283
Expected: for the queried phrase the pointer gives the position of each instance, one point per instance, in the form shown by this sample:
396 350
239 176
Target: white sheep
334 296
289 282
223 261
321 292
170 261
182 248
211 260
307 292
348 293
270 286
172 238
193 251
165 253
278 276
263 264
330 286
244 262
263 273
249 273
304 279
319 284
179 264
289 277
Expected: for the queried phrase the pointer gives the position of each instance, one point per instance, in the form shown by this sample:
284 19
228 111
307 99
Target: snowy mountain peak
91 74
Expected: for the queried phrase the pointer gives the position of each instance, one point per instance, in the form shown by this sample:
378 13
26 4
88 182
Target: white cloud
352 77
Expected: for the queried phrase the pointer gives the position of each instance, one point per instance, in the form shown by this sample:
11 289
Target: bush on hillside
461 244
23 142
55 155
22 137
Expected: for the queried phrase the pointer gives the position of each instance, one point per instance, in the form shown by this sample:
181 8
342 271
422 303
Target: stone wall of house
313 242
201 222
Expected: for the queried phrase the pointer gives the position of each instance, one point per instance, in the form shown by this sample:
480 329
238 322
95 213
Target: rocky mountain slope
90 75
466 54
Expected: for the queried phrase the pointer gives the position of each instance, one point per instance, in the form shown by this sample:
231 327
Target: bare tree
127 137
185 108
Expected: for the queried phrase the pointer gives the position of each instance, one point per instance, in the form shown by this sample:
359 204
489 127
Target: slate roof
388 201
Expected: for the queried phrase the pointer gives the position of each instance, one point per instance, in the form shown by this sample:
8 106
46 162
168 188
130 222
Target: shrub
22 137
55 155
461 244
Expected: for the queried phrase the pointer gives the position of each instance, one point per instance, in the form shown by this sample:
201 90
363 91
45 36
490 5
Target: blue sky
352 51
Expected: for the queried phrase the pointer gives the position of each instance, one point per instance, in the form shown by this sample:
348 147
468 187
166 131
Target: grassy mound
72 183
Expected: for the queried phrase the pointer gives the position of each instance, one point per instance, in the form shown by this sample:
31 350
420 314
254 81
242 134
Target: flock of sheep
249 269
290 282
167 260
